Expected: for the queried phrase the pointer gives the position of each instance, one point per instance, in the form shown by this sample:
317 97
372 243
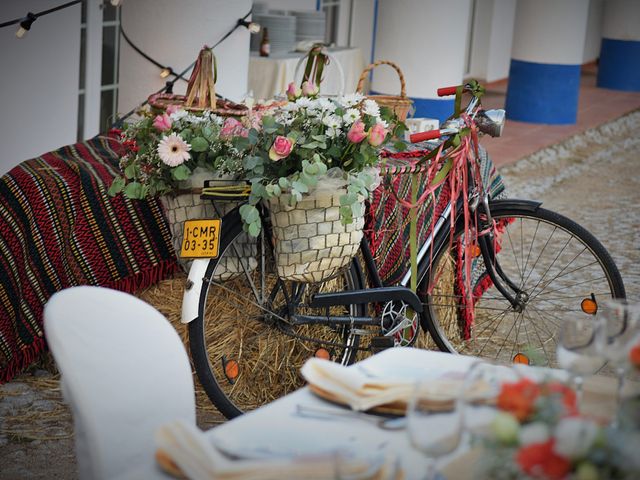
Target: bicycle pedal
381 343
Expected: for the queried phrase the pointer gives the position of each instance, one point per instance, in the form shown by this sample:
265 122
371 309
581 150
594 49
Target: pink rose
356 132
232 128
281 148
377 135
162 122
172 109
293 92
309 89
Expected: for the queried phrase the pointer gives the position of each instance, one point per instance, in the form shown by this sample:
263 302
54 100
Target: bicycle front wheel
246 348
555 263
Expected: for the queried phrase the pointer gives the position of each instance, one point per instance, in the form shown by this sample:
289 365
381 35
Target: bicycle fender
191 296
509 203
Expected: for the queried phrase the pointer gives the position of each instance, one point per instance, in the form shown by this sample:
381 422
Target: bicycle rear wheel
553 260
245 349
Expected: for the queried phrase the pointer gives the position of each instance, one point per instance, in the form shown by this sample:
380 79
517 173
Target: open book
385 382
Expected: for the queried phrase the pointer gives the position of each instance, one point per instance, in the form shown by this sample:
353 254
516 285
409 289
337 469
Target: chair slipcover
124 372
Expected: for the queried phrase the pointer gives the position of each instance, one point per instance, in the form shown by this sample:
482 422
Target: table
269 76
277 427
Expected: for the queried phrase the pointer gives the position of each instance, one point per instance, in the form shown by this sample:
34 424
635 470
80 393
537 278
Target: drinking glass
433 431
578 351
619 333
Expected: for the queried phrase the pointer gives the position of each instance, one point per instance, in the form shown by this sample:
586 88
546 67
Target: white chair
124 372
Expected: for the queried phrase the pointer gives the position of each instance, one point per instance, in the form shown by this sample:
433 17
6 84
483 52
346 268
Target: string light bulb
165 72
25 24
253 27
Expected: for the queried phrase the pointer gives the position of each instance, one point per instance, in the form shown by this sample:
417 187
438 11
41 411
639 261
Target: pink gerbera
173 150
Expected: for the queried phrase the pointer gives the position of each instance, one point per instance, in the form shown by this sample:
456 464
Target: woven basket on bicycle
400 104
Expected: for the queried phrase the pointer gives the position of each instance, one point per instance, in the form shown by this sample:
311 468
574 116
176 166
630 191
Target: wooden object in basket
400 104
201 91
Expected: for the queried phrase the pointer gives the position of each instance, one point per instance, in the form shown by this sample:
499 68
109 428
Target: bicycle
249 331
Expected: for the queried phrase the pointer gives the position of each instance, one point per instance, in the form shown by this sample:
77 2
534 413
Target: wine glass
433 430
619 333
578 351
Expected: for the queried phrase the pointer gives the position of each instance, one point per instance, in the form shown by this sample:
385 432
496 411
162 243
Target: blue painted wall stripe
619 66
543 93
375 29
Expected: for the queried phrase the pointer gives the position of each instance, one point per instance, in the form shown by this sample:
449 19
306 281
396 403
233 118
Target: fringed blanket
387 227
59 228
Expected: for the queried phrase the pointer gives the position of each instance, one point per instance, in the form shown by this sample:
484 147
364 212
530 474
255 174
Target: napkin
360 390
185 451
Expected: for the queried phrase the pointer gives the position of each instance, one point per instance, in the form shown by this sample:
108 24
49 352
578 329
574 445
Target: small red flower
540 461
518 398
567 394
634 356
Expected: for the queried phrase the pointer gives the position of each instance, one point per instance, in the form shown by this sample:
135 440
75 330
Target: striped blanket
59 228
387 227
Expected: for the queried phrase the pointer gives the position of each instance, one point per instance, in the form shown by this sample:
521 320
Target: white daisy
332 132
173 150
350 99
304 102
371 108
326 105
351 115
179 115
332 121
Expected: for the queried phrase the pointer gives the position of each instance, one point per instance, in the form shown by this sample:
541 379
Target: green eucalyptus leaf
284 183
116 186
199 144
310 145
300 186
181 172
134 190
253 136
186 134
131 171
254 229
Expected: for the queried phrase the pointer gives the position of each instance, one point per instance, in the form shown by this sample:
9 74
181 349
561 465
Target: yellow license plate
201 238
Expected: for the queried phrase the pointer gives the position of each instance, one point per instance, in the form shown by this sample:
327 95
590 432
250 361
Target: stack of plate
282 32
310 26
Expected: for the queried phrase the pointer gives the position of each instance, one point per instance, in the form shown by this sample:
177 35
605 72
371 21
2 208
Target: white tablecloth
276 428
269 76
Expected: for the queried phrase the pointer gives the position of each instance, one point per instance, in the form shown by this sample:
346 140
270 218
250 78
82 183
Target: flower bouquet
163 151
311 162
539 433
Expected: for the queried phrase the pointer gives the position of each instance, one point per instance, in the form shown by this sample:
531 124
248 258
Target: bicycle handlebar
446 91
428 135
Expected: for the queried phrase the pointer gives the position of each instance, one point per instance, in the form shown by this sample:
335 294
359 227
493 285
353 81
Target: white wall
501 38
549 31
362 27
39 81
593 39
411 33
622 20
289 4
173 33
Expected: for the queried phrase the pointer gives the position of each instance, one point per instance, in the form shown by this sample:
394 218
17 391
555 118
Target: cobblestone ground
593 178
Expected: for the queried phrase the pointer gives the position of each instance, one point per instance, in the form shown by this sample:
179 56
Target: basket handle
365 72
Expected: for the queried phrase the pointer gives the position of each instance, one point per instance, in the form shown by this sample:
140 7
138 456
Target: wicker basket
311 244
400 104
186 204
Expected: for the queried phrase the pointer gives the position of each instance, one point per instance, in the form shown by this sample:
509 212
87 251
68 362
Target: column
544 76
427 39
619 66
173 34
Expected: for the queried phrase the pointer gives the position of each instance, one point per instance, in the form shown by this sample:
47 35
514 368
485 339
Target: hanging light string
26 21
165 70
169 85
